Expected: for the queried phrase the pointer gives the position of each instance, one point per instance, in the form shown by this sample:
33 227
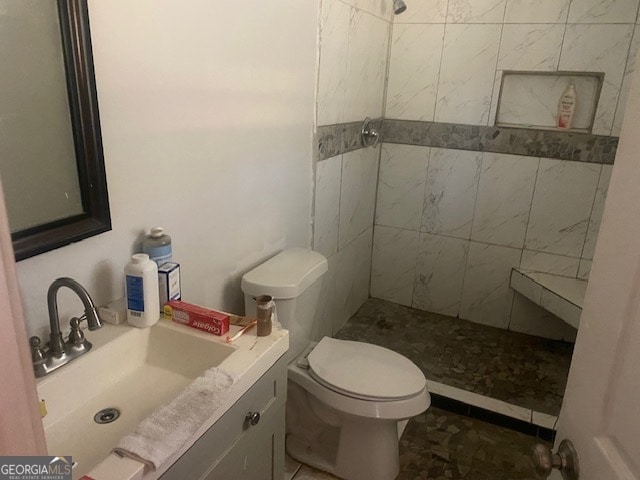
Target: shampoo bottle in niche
141 291
158 246
566 107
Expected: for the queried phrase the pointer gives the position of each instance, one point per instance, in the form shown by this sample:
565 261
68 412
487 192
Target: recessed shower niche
530 99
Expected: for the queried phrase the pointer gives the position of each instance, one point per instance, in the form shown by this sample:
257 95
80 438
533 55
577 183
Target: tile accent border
341 138
580 147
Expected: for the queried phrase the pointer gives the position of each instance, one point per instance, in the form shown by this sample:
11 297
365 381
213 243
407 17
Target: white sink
134 370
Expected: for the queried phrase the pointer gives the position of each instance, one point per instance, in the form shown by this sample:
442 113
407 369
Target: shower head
399 6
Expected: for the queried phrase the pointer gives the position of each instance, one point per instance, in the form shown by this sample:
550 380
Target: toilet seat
364 371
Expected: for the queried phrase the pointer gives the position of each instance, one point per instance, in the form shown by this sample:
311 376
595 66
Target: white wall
207 115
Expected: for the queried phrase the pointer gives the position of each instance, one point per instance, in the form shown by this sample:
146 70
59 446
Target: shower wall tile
450 194
486 295
570 334
557 305
424 11
524 286
327 206
626 82
603 11
584 270
334 35
344 294
477 11
352 277
529 318
536 11
561 207
366 66
504 199
401 186
358 192
599 48
324 314
596 212
549 263
413 71
440 270
394 264
379 8
530 47
467 73
362 272
495 97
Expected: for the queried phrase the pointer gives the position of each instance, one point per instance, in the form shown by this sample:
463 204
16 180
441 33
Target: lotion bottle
141 291
567 107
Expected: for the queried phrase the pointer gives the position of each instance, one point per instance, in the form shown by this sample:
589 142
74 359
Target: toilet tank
294 279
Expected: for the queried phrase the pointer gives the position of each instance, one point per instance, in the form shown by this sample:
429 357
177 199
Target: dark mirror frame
85 122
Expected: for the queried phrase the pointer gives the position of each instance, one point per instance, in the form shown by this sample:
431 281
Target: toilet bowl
347 401
344 405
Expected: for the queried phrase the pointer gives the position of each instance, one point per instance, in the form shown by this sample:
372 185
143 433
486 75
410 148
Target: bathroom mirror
51 160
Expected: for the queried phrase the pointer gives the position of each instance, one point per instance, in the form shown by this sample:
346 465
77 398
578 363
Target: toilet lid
362 370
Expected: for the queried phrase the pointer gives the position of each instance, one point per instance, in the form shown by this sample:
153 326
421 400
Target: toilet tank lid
287 275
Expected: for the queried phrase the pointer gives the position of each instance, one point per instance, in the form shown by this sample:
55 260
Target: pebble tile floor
519 369
440 445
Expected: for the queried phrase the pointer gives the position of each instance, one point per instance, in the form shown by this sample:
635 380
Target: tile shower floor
519 369
439 445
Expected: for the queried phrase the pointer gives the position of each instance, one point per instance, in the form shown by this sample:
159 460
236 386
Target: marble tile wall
345 197
447 56
353 54
457 202
451 224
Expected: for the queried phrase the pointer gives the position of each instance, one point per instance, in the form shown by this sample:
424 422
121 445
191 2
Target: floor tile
439 445
519 369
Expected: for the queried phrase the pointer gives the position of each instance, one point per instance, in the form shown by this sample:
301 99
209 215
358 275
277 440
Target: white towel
163 432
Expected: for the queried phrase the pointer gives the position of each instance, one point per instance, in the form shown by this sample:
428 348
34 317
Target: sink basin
132 370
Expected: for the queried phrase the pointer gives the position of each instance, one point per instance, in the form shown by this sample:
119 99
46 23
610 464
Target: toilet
347 402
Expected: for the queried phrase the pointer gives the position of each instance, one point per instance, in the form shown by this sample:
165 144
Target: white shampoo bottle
566 107
141 290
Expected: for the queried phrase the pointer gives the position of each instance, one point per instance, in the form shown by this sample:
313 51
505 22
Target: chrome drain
106 415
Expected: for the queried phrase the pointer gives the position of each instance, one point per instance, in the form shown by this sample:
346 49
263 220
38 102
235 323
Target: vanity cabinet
234 448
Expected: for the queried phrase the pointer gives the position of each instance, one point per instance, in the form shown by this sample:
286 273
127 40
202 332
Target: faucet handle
37 353
76 337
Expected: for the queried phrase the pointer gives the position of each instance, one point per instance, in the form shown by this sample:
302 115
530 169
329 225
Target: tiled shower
446 222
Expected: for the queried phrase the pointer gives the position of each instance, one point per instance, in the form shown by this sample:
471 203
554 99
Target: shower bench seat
562 296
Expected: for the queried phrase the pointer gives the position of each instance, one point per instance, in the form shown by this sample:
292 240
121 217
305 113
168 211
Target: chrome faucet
60 352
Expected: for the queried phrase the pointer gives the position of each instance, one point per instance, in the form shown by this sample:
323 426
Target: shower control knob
566 460
252 418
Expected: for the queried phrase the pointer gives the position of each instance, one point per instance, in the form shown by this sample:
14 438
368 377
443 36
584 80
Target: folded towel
163 432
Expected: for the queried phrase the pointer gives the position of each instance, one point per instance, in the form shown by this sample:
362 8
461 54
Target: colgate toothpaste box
202 318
